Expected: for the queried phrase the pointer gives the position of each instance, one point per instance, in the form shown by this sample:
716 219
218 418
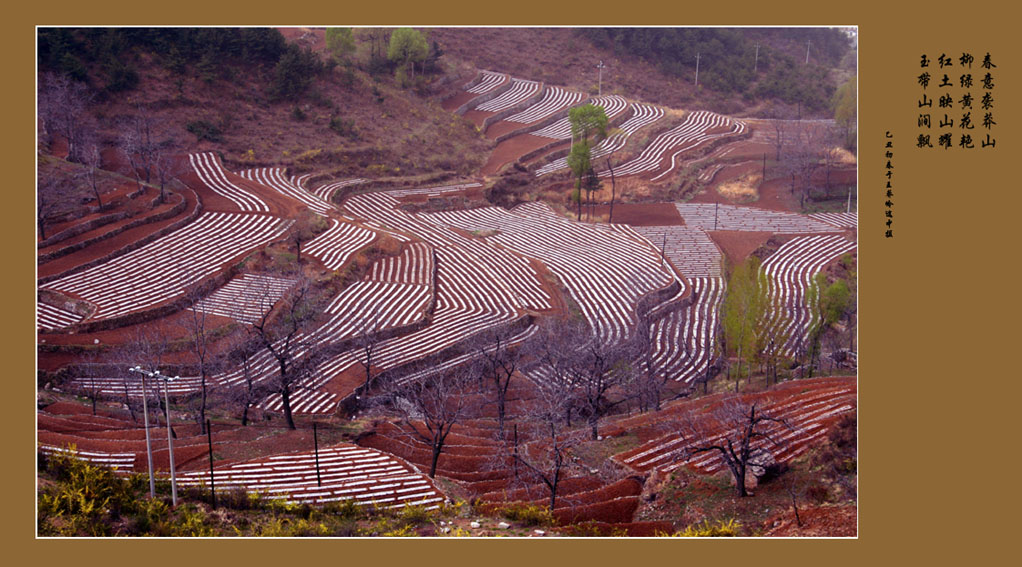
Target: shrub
344 127
593 529
204 130
722 528
528 514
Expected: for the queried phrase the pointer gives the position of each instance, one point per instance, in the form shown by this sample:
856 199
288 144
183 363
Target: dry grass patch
744 189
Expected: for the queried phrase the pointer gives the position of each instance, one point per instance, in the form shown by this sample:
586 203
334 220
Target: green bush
528 514
721 528
205 130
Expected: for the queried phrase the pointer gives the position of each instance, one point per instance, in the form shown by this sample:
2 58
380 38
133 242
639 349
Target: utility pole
315 444
716 206
212 485
807 50
148 444
170 442
849 208
755 67
697 69
600 66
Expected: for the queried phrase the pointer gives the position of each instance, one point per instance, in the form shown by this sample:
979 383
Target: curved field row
326 191
476 458
737 127
554 99
50 318
334 246
606 271
346 472
165 268
124 462
520 90
840 220
642 115
413 266
212 173
689 133
688 248
245 298
561 130
684 338
790 271
807 407
711 216
273 177
433 191
490 80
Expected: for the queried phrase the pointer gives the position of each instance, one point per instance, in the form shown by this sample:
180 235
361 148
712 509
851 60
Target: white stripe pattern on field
554 99
805 417
50 318
326 191
688 248
688 134
245 298
790 271
118 461
520 90
212 173
414 265
684 338
605 268
273 177
711 216
642 115
165 268
345 472
561 130
840 220
487 83
334 246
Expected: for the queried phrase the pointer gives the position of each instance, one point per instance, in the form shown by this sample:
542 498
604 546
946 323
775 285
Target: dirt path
510 150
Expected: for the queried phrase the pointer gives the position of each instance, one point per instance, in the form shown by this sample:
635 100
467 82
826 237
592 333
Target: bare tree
139 142
166 164
367 340
62 107
734 428
54 193
146 348
243 350
200 343
498 362
598 369
431 405
305 227
547 456
285 333
806 153
92 160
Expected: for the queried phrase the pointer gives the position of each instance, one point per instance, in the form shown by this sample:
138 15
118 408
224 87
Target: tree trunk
437 447
285 395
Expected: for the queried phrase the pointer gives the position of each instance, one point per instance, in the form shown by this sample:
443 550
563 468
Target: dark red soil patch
822 521
477 116
511 150
643 214
737 245
457 100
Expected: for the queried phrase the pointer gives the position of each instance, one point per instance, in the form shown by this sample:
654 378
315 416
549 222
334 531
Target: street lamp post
170 441
148 445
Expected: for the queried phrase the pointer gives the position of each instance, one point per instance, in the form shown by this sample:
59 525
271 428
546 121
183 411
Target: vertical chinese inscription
963 116
889 189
